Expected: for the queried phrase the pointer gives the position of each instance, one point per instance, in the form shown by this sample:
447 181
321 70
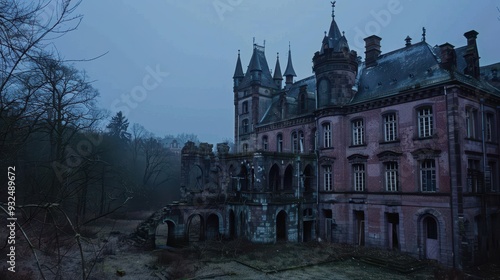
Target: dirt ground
111 254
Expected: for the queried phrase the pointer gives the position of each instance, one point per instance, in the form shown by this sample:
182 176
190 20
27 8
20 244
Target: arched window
265 143
295 142
244 107
279 143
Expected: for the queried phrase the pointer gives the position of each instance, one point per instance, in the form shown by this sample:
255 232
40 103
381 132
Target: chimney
372 46
471 55
448 56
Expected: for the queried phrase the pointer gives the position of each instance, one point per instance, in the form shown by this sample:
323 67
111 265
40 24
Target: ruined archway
165 234
196 178
195 228
288 178
212 232
281 234
274 178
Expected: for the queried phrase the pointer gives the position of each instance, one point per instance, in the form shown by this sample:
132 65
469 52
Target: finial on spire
423 34
238 52
333 8
254 40
278 55
289 48
325 33
264 43
343 33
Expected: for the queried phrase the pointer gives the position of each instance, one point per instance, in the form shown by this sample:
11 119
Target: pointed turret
277 72
255 68
334 40
238 72
289 71
335 68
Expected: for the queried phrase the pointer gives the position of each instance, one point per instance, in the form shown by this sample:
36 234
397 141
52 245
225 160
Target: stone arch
212 227
281 226
288 178
274 178
165 234
431 233
195 228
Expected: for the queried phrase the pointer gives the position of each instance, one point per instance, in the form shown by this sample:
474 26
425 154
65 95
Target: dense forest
69 161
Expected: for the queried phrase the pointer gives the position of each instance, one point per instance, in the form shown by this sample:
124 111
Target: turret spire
289 71
277 77
238 71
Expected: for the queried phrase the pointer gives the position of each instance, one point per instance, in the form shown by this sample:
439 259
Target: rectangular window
391 176
489 127
428 175
357 132
327 173
470 122
265 143
474 175
327 131
425 122
245 126
359 177
390 127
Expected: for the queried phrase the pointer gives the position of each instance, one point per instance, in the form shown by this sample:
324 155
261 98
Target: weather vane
333 8
423 34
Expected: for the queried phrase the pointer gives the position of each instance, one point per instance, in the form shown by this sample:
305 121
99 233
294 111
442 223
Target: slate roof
289 71
417 65
414 66
292 96
258 62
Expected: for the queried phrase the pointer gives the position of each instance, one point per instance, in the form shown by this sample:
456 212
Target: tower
335 67
252 96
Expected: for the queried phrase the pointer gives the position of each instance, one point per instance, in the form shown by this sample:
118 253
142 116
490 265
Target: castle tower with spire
335 68
253 91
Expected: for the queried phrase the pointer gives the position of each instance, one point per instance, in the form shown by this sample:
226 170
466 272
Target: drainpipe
484 203
316 151
454 188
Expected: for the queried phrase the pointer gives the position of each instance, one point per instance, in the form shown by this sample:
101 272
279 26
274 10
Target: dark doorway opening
393 230
281 226
308 227
359 223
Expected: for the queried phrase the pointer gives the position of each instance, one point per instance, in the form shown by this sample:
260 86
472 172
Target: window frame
391 176
425 122
389 125
428 171
327 134
359 177
471 124
279 142
327 178
358 132
265 143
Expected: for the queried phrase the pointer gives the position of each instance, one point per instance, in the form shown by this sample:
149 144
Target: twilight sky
170 63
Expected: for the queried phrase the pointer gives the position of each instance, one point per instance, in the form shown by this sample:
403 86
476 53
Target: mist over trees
73 163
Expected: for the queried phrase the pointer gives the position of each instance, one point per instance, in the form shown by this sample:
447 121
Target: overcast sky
170 63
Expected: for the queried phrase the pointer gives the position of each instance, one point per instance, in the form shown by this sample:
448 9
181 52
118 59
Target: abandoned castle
396 150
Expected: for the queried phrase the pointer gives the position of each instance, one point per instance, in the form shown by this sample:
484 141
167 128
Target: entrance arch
212 227
195 228
164 234
431 238
288 178
281 234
